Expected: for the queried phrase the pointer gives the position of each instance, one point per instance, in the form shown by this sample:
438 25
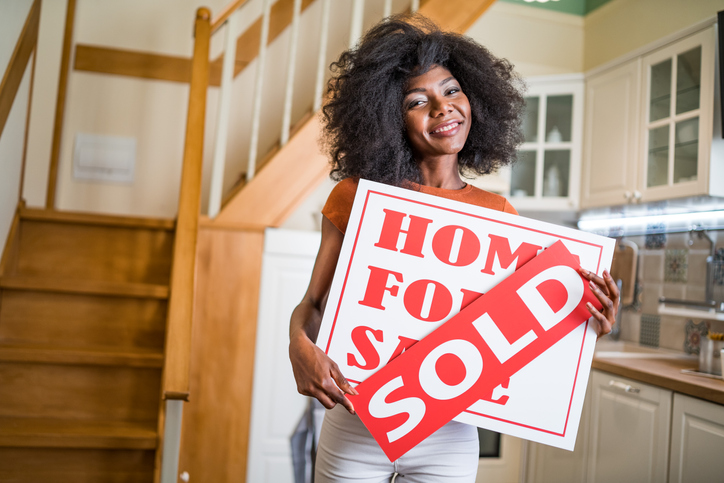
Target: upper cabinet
548 167
649 126
610 149
676 131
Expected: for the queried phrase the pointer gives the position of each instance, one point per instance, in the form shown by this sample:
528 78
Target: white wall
12 18
537 42
625 25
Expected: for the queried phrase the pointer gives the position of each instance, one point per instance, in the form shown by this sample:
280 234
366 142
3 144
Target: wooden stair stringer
456 16
286 180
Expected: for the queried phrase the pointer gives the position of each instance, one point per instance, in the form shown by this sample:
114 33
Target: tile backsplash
674 266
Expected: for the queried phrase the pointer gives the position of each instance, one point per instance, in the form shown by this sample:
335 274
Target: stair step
77 321
101 356
93 287
96 219
83 392
74 465
91 251
60 433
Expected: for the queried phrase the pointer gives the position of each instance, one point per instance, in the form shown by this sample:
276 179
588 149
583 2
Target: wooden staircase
83 305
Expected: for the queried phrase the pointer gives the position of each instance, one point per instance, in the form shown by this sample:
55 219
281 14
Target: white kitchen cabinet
611 125
677 119
652 127
629 430
697 441
546 174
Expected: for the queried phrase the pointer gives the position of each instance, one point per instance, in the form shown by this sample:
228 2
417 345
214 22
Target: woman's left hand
606 291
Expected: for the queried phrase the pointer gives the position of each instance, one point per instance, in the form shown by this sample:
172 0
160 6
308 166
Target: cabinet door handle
623 386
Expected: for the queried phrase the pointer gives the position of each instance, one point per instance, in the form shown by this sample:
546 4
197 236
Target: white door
277 407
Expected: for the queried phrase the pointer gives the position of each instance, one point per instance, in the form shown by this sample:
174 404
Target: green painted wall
575 7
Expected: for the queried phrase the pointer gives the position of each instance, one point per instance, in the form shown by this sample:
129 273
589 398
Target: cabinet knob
637 195
627 195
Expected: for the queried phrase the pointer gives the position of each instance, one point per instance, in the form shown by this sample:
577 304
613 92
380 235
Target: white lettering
414 407
463 350
538 305
497 342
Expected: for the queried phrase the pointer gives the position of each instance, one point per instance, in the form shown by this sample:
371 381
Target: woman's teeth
446 128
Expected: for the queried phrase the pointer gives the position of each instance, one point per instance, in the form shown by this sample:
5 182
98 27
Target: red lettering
366 348
377 286
425 306
392 229
500 246
405 343
456 246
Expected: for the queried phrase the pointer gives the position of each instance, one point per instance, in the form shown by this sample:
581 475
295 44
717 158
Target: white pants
347 452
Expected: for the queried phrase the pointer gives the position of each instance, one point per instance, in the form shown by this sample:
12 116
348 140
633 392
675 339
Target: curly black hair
364 128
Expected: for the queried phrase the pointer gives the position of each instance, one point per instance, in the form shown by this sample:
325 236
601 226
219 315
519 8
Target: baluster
355 31
322 59
287 118
256 109
222 124
387 11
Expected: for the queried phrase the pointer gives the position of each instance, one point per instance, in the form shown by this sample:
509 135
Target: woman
418 108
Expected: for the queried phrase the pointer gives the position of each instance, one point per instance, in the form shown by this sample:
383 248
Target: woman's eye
453 90
415 103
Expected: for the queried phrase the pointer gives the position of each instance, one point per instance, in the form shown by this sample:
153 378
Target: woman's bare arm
316 374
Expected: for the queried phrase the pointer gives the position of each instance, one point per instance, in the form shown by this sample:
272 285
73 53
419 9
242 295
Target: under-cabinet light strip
692 218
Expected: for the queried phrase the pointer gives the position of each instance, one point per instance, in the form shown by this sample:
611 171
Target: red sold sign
476 351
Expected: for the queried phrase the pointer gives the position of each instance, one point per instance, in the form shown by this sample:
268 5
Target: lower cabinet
629 430
636 432
697 441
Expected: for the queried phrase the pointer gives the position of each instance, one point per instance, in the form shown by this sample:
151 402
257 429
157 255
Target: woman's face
437 114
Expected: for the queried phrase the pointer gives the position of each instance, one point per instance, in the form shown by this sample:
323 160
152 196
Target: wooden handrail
226 13
60 105
13 76
178 334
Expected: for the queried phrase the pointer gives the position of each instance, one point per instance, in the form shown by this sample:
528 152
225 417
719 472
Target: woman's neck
441 173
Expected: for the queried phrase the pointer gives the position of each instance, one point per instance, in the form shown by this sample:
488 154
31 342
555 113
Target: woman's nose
440 107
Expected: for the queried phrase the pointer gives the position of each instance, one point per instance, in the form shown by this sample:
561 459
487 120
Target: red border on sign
349 267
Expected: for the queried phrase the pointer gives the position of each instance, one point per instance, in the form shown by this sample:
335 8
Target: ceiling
575 7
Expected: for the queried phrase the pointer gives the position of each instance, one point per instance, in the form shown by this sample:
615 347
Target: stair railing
23 52
229 18
178 333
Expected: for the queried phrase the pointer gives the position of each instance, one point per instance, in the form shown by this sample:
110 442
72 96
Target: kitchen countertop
657 367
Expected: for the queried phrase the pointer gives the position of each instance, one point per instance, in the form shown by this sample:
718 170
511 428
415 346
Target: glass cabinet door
544 168
672 117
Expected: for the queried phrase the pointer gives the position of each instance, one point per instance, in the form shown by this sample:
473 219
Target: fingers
606 291
604 325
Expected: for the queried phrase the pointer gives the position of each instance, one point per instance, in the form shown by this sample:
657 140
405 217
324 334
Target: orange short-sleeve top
339 203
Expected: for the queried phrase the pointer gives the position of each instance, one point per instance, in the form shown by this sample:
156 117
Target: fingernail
589 305
606 274
592 285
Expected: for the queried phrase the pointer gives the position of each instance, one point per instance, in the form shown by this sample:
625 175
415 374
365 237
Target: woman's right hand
317 375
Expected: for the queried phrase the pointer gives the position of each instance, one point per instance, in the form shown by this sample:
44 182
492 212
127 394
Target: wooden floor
83 302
